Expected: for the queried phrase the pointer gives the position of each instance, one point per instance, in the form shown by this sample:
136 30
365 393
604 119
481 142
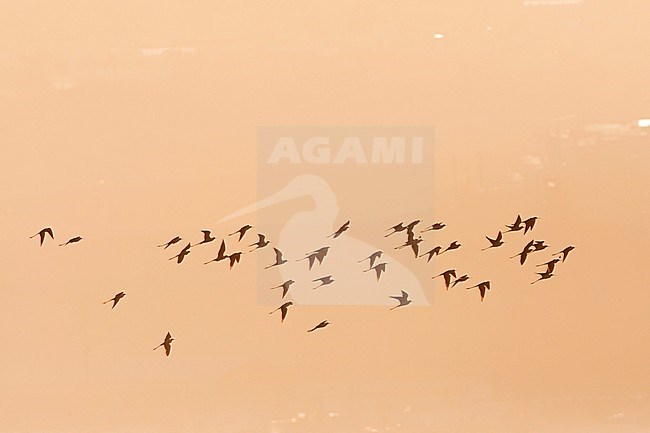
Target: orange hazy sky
128 150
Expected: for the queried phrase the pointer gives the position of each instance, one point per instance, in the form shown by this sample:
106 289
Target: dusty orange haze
129 150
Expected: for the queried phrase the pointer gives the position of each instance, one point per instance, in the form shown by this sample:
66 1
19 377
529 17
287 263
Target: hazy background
105 136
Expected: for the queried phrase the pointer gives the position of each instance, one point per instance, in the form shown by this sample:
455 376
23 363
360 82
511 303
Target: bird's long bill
283 195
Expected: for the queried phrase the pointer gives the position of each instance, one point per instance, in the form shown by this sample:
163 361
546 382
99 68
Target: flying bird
496 242
71 241
452 246
207 237
460 279
234 258
435 226
543 276
221 255
401 227
529 223
171 242
565 252
322 324
403 300
116 299
414 244
482 287
539 245
412 225
180 256
278 259
524 253
324 281
395 229
283 308
550 265
373 257
242 231
312 259
379 268
447 275
285 287
167 344
319 255
341 229
516 226
432 252
261 242
43 232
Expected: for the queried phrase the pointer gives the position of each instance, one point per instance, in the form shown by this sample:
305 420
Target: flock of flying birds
450 276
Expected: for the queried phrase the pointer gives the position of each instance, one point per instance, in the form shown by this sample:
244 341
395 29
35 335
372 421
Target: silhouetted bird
539 245
435 226
403 300
312 259
543 276
482 287
496 242
432 252
396 228
460 279
447 275
283 308
324 281
167 344
261 242
379 268
43 232
524 253
285 287
410 236
412 225
71 241
234 258
341 229
529 223
242 231
116 299
452 246
374 256
221 255
207 237
565 252
180 256
414 244
171 242
550 265
516 226
319 255
278 259
322 324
